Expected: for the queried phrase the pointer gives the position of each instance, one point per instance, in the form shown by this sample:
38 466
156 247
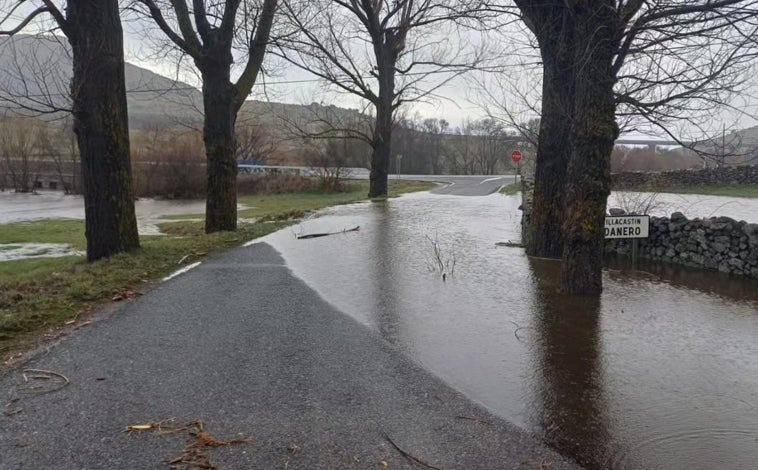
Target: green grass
40 295
61 231
745 190
510 189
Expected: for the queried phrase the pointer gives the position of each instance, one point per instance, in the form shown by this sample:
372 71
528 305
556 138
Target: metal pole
635 252
518 171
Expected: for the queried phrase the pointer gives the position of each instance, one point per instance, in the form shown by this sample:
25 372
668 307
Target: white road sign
627 226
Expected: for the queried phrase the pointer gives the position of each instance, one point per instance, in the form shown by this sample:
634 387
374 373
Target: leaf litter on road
195 454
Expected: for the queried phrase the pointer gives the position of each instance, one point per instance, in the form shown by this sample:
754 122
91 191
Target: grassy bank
41 297
510 189
745 190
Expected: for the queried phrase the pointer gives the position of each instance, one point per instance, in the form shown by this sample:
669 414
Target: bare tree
254 141
35 75
385 53
208 32
605 43
98 92
20 140
463 149
434 132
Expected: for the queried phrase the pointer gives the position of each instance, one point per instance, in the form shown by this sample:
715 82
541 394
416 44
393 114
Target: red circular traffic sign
516 156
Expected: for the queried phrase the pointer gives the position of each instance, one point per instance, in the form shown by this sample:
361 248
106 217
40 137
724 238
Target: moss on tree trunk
552 23
588 180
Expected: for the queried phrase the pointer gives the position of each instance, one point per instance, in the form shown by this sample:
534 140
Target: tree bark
554 146
595 131
101 126
380 153
382 138
219 138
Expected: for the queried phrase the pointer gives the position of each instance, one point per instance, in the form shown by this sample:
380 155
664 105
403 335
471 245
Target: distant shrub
275 184
285 183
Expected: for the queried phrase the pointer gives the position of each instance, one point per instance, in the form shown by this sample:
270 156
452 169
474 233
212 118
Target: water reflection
384 311
660 372
569 402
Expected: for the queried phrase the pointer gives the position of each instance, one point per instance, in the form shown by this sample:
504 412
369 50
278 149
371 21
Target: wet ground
661 372
16 251
17 207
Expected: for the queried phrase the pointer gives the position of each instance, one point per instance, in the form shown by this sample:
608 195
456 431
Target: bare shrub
276 184
328 163
169 164
637 203
19 148
441 259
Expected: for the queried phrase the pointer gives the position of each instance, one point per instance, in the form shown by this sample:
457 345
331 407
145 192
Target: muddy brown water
660 372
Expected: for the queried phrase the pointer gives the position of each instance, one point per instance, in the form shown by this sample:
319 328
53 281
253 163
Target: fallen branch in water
326 234
510 244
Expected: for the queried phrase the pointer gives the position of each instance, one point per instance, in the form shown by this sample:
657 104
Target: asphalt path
242 345
463 185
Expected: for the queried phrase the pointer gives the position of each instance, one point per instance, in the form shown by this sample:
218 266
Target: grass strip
511 189
742 190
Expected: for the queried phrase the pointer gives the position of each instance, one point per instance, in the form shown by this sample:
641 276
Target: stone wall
718 243
746 174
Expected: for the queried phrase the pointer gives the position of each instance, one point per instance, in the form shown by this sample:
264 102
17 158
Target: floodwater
19 207
691 205
660 372
16 251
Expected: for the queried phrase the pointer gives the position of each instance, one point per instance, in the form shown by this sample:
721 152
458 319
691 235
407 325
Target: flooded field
15 207
660 372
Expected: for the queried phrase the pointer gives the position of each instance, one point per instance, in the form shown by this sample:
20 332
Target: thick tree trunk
595 131
554 148
101 126
380 154
218 134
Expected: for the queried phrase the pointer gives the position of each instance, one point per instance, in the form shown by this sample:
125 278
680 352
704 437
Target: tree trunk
595 131
554 146
382 138
218 134
380 154
101 126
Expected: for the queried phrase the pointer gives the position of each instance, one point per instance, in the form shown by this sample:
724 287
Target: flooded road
660 372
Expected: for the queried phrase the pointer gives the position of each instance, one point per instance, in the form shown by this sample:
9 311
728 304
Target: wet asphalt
244 346
458 185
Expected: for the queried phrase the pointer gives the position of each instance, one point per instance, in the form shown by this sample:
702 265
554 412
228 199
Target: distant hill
39 68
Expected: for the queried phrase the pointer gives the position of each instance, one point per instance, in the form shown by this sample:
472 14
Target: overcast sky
459 99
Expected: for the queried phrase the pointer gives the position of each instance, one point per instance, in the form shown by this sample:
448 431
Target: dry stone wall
746 174
717 243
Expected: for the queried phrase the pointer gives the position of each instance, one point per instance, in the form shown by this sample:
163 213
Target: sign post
628 226
516 158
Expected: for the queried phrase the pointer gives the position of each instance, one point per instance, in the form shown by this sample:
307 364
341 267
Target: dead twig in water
519 328
408 456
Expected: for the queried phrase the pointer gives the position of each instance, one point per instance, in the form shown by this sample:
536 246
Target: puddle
17 251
